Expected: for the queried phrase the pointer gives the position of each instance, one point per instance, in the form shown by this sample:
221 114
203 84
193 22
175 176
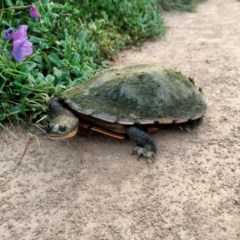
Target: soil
90 187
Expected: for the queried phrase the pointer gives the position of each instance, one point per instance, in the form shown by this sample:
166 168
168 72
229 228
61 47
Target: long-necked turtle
128 100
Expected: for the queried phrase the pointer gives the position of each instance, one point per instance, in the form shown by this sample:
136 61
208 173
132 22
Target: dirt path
91 188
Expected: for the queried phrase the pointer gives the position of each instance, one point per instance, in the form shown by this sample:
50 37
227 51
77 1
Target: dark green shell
142 92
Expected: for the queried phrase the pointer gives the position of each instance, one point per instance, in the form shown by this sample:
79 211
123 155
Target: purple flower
8 35
21 33
21 49
34 12
21 46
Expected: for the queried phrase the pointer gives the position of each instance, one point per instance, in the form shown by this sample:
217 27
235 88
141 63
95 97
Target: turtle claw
143 152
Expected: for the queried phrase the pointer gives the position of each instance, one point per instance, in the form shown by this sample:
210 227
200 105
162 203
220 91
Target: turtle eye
62 128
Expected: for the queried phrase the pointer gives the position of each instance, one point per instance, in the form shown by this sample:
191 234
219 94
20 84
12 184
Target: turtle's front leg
145 146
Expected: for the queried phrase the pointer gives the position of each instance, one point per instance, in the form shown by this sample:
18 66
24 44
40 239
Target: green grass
181 5
71 41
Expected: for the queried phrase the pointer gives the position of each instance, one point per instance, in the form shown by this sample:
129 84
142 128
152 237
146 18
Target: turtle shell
140 93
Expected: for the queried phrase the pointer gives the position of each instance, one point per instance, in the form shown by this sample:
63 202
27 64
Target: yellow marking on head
68 135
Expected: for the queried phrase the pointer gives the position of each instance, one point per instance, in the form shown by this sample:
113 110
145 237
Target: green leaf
50 78
57 72
75 60
53 57
9 3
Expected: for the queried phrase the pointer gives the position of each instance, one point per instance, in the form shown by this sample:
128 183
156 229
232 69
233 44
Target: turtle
128 101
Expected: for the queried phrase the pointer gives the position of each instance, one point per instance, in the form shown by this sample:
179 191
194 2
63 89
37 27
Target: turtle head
63 124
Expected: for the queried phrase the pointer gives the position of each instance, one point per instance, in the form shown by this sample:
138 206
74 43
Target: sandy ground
91 188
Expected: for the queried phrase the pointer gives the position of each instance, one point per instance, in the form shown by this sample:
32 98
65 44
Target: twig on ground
7 130
24 152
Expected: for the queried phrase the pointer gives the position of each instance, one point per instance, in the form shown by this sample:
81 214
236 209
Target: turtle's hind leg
191 124
145 146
